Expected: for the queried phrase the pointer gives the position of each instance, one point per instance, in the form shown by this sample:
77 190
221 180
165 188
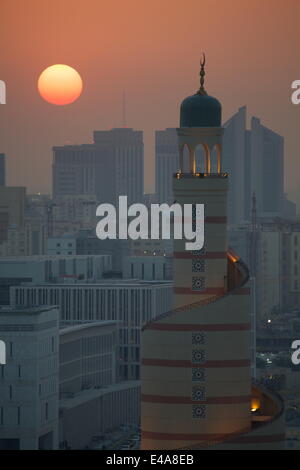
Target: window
11 349
19 416
46 411
10 392
296 270
19 371
1 416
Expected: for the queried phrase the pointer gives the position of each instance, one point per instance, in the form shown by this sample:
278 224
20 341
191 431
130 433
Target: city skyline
106 57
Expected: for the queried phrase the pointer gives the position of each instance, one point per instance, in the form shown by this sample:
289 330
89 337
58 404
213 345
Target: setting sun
60 84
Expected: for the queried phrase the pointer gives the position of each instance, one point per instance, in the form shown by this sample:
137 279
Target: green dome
200 110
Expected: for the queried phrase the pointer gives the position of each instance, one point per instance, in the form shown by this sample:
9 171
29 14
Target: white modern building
47 268
92 399
131 303
29 379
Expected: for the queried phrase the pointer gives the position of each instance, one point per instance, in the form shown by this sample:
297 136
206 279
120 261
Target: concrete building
234 162
2 169
292 252
60 388
44 269
196 359
29 379
148 268
87 243
81 208
92 399
113 165
64 246
28 240
267 169
131 303
12 208
166 163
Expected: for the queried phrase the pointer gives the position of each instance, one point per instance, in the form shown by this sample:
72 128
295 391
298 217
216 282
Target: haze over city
150 51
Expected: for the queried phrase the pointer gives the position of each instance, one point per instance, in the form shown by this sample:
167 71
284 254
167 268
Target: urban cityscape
140 344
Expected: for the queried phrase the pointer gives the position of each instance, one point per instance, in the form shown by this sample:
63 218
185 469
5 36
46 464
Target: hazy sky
151 50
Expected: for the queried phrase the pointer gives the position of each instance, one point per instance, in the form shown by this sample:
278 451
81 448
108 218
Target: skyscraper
2 169
113 165
254 158
267 170
196 378
12 208
166 163
233 160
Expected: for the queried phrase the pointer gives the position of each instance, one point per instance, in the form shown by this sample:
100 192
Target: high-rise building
234 161
267 170
113 165
254 158
2 169
166 163
12 207
29 378
131 303
196 377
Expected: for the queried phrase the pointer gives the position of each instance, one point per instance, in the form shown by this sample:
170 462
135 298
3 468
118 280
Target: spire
202 90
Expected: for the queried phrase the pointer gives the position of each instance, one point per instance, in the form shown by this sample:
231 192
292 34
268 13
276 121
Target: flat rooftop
20 310
106 283
64 330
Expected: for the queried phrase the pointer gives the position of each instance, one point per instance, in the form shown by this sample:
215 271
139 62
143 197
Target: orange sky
151 50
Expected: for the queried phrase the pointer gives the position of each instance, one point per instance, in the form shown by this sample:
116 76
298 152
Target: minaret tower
195 359
200 275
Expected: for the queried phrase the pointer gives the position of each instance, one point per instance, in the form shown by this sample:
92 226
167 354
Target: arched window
200 159
216 157
185 168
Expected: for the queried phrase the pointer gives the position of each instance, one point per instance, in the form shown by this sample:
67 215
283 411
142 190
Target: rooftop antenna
202 90
124 110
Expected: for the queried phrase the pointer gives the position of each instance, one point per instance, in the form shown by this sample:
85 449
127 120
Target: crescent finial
202 90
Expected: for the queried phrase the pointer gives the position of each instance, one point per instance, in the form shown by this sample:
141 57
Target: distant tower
2 169
200 126
253 237
196 381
